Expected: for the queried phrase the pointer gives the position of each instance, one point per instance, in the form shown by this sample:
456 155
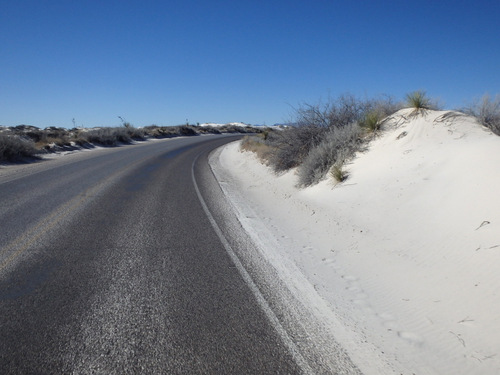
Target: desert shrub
208 130
187 130
385 106
156 131
313 122
35 135
238 129
55 132
191 130
342 111
376 111
79 137
258 145
108 136
291 146
54 136
230 129
136 134
81 141
338 145
487 112
14 147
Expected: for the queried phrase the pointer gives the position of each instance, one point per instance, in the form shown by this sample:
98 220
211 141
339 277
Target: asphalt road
110 264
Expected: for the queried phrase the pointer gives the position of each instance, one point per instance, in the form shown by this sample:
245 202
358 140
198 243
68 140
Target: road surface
120 261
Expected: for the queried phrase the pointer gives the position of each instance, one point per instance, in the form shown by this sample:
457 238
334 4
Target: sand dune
406 251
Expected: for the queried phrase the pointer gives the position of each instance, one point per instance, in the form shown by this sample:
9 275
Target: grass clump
372 121
257 144
338 172
419 101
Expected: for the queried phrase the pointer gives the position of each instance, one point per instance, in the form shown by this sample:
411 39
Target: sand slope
406 252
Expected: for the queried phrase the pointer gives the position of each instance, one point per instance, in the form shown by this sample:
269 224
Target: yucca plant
371 121
419 101
338 172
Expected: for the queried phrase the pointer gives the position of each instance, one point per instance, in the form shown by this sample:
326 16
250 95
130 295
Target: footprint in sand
368 310
350 278
331 263
354 288
388 321
307 249
386 316
361 295
411 337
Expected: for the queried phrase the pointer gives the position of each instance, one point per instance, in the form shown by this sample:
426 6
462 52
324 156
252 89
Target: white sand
406 252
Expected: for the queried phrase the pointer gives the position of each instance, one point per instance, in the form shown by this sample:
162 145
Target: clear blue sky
162 62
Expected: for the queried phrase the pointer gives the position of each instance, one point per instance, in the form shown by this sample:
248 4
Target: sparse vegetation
108 136
323 137
325 134
258 145
338 145
24 140
291 146
487 112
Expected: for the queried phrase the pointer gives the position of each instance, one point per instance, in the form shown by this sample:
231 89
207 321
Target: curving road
110 263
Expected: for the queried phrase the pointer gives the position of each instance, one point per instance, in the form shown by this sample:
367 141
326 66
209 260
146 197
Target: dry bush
376 111
313 122
487 112
291 146
187 130
14 148
338 145
325 134
136 134
257 145
208 130
108 136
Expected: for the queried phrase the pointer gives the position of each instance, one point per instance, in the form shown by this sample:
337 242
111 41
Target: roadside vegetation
324 137
24 141
14 148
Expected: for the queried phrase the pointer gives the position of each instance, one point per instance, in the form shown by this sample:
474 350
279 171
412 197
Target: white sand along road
402 259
